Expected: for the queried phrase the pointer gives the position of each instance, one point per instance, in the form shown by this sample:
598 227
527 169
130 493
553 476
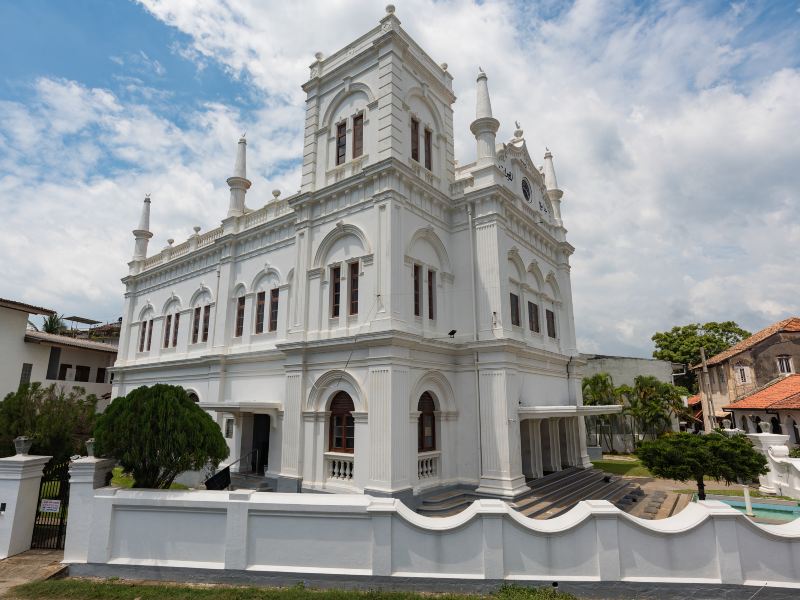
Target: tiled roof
692 400
28 308
783 393
63 340
790 324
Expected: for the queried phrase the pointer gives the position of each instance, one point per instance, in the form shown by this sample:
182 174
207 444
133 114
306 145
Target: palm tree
53 324
598 390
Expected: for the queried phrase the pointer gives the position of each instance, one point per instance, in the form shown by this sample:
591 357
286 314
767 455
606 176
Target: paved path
29 566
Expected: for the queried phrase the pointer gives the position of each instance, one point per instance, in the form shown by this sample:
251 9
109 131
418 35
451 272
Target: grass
735 492
84 589
124 480
626 466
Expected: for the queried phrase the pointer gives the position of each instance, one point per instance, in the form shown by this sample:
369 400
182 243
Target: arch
169 305
267 273
340 231
240 289
202 291
438 386
341 425
418 93
796 432
329 384
429 235
146 310
354 88
536 272
515 259
426 423
745 426
193 395
551 280
775 425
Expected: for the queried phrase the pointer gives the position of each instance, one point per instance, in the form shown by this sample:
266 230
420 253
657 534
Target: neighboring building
776 405
625 369
747 366
400 323
30 356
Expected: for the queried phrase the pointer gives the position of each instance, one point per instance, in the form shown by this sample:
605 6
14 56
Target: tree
53 324
599 390
157 433
59 422
682 344
685 456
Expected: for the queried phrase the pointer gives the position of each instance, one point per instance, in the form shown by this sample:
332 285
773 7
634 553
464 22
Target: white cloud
673 133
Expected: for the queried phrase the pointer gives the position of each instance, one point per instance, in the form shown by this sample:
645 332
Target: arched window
796 432
776 425
745 426
758 424
426 430
193 397
342 426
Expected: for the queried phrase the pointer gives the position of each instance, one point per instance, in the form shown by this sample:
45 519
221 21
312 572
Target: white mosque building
402 323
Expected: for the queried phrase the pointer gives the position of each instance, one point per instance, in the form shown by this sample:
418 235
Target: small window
175 329
239 316
784 365
358 135
341 143
62 371
82 373
336 290
352 285
417 290
149 334
514 310
101 375
167 326
229 428
426 425
428 150
741 373
533 317
25 376
342 425
415 139
551 323
206 319
196 325
721 376
274 296
52 363
261 299
431 294
142 335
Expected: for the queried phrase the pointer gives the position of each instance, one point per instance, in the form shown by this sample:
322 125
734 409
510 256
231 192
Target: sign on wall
49 505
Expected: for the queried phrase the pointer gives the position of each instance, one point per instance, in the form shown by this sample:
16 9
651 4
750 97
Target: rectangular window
62 371
260 301
82 373
551 323
274 296
784 365
25 376
415 139
149 334
431 294
52 363
196 325
142 335
417 290
514 309
428 150
358 135
741 373
175 329
721 376
533 317
206 319
229 428
352 286
336 290
167 325
239 317
101 375
341 143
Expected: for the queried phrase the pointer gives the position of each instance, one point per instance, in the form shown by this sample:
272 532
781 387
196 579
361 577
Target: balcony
428 465
339 467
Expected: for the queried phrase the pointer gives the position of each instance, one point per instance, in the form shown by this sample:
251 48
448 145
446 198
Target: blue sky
674 126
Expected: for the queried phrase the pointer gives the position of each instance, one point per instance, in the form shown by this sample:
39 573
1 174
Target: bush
157 433
794 452
59 422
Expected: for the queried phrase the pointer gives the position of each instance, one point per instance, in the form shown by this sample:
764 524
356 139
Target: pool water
774 512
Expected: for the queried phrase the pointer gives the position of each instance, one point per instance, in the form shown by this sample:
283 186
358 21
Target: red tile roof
783 393
28 308
692 400
41 337
790 324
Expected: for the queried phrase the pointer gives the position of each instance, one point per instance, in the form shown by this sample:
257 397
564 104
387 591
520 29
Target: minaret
550 182
485 126
142 233
239 183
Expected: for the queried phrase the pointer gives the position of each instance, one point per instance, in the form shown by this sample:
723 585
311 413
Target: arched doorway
776 425
745 424
426 424
342 428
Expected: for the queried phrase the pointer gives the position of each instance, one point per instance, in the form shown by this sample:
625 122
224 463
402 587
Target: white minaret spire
142 233
485 126
238 182
550 182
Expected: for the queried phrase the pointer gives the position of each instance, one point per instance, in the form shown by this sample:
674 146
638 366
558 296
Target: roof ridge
750 341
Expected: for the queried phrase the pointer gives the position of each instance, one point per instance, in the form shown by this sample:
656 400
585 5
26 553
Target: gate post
20 477
85 475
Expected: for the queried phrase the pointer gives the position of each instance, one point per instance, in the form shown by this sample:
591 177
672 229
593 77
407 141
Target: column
390 445
583 454
555 444
20 476
535 440
85 476
291 435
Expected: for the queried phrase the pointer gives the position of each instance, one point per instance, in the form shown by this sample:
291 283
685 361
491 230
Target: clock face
526 190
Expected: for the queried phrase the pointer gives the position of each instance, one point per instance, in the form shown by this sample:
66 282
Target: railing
428 464
222 478
339 466
209 236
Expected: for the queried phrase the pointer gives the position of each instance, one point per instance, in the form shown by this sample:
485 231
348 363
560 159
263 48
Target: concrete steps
445 504
249 481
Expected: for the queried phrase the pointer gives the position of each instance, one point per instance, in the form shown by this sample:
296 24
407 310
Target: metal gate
50 526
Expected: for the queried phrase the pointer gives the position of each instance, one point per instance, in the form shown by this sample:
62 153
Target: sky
675 128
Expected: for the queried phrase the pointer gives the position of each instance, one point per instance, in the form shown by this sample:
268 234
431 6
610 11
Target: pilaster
20 476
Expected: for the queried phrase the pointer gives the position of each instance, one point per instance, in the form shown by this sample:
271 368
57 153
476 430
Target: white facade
506 398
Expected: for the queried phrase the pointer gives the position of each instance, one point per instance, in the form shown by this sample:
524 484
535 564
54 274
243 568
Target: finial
443 66
196 229
390 9
147 197
276 193
518 131
319 56
170 241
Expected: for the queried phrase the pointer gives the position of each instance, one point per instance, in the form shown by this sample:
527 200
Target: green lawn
734 492
124 480
631 468
68 589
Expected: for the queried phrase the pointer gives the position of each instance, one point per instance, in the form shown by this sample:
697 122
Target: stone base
406 496
289 485
502 488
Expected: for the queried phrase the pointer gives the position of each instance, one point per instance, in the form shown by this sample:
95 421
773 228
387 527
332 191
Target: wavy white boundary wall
353 534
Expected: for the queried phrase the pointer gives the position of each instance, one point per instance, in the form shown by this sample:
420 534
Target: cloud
671 123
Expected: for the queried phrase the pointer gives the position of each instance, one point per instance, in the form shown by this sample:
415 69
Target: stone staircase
549 496
250 481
